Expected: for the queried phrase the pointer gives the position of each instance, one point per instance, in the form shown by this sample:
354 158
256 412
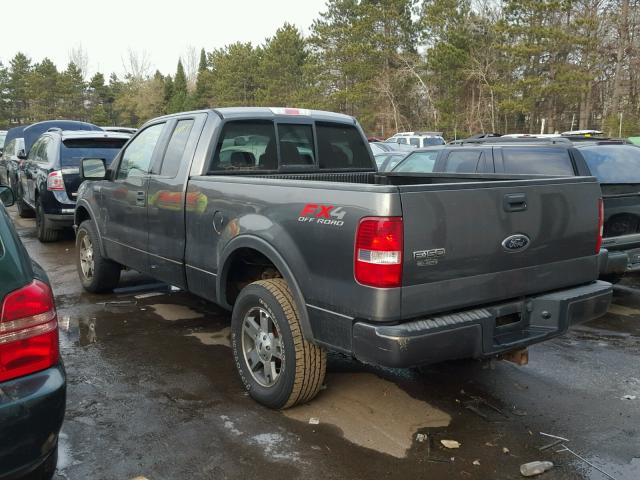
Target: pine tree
18 88
179 94
43 91
71 93
203 95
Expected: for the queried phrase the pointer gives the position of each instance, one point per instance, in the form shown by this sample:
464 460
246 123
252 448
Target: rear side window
341 146
74 149
418 162
176 147
613 163
537 161
414 141
246 146
465 161
296 144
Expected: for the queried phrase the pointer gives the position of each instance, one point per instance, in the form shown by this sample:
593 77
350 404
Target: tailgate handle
514 202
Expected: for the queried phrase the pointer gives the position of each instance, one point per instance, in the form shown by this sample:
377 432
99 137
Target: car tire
97 273
46 234
265 315
24 210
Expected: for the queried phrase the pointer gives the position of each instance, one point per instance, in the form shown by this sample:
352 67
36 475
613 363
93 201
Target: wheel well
81 215
245 266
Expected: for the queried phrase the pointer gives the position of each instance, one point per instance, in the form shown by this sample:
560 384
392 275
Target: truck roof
271 113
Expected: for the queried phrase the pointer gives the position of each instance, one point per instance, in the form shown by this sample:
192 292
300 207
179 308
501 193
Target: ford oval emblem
516 243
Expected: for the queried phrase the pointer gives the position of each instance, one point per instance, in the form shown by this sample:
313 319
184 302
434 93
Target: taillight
28 331
55 181
600 225
378 255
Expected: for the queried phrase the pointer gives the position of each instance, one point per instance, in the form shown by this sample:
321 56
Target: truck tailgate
479 242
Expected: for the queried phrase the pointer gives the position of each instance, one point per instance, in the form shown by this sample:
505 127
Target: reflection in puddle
221 337
172 312
371 412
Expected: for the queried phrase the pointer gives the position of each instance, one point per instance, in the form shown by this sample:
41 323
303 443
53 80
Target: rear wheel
97 273
277 365
24 210
45 232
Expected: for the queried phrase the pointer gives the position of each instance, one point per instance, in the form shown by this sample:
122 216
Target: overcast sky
107 29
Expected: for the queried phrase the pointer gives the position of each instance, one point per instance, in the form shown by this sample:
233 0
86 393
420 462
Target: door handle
140 198
514 202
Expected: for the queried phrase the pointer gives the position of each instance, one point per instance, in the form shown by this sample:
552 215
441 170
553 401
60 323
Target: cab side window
136 159
465 161
176 148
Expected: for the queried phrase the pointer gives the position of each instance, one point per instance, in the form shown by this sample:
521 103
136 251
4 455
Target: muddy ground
152 392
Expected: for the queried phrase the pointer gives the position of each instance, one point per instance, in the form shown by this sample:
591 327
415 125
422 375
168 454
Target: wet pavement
153 393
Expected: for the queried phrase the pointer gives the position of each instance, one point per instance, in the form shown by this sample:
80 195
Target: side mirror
93 169
22 155
7 196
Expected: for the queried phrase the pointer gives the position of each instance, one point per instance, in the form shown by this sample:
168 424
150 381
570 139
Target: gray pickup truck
280 216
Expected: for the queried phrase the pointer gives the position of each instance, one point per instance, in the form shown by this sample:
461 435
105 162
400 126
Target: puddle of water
273 446
221 337
172 312
371 412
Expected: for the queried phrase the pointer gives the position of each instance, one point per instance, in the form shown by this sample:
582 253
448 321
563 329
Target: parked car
10 161
49 177
382 147
3 136
32 378
32 132
417 139
614 163
312 249
387 160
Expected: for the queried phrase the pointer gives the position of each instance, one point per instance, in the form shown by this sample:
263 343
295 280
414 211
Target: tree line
457 66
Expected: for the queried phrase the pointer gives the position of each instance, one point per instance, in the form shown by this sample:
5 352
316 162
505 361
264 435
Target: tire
300 370
24 210
46 234
97 273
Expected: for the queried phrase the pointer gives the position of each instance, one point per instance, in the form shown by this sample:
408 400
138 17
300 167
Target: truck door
125 199
167 202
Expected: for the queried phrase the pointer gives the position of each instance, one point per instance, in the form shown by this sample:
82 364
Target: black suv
32 378
49 178
615 163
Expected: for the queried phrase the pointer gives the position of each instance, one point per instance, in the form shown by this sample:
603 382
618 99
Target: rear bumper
476 333
619 262
61 220
31 414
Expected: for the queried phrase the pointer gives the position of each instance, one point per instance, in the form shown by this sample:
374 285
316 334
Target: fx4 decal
322 214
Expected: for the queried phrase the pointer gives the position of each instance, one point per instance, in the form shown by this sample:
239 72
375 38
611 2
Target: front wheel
277 365
97 273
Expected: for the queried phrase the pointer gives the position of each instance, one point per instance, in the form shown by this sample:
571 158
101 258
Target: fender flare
84 204
265 248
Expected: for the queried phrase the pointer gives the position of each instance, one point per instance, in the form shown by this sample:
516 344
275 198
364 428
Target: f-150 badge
425 258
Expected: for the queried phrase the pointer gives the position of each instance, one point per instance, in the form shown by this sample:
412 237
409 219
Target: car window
341 146
246 146
537 161
9 147
381 158
136 159
34 153
176 148
418 162
415 141
613 163
402 140
296 144
392 161
73 150
433 141
465 161
43 153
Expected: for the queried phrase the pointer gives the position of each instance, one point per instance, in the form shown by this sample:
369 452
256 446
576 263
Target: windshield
418 162
613 163
72 150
